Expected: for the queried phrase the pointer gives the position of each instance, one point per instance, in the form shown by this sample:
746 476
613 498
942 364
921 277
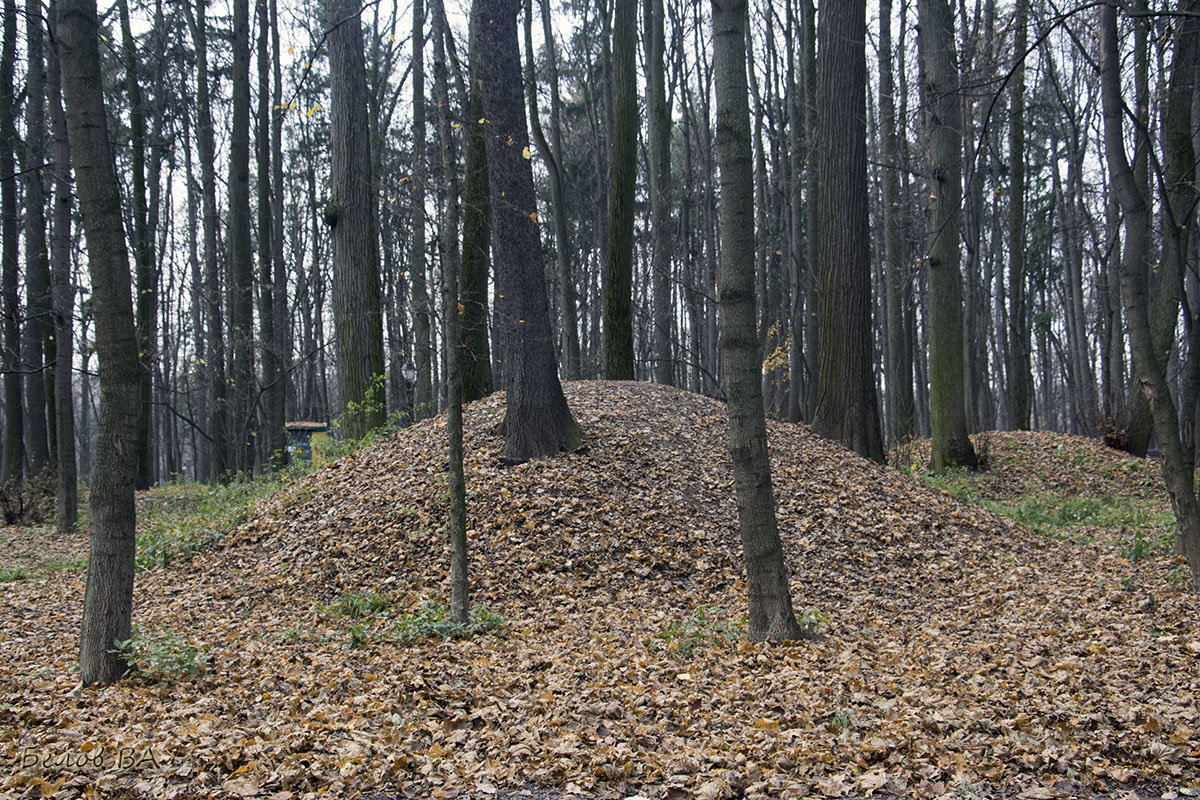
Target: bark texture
108 598
537 422
618 268
846 408
357 312
1149 368
947 390
770 600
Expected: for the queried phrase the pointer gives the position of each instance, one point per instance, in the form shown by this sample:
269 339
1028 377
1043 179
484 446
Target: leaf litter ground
964 654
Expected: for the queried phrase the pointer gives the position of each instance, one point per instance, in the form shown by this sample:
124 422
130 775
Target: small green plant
161 657
706 625
1129 583
958 482
812 621
1179 576
841 721
358 637
13 574
1137 549
431 620
358 605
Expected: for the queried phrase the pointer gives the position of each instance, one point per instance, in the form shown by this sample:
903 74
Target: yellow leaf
525 153
533 215
483 120
291 50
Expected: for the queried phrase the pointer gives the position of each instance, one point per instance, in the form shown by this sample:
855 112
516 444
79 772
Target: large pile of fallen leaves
961 652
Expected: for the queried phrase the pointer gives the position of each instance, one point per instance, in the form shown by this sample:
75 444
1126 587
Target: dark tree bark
846 407
145 289
214 367
537 422
947 388
423 349
1020 380
770 599
39 328
477 242
1149 366
659 145
460 600
108 599
899 366
241 267
275 443
64 294
567 294
13 469
551 152
356 297
618 268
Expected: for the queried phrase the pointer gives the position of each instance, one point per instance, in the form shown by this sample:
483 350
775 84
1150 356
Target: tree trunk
477 242
899 367
13 469
460 601
846 408
618 268
108 600
948 415
659 107
770 600
64 295
1149 366
274 439
357 312
214 365
38 324
537 422
1020 380
425 404
241 268
143 250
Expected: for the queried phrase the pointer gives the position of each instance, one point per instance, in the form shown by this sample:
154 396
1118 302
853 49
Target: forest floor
1025 631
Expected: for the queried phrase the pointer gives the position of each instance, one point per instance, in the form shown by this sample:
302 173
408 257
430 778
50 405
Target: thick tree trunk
13 469
537 421
38 324
108 599
948 415
770 600
241 267
477 243
64 295
618 268
846 407
1020 380
356 306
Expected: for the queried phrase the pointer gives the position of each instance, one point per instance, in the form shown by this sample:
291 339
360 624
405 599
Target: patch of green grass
707 625
12 574
958 482
359 605
182 519
431 620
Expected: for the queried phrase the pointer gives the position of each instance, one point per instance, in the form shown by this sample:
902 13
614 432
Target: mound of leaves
962 651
